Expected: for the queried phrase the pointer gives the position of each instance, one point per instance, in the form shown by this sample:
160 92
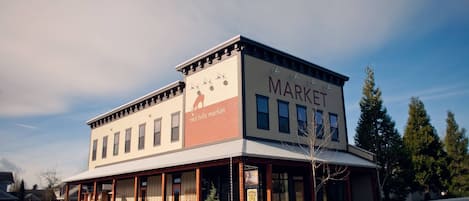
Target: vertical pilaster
241 181
136 188
268 178
197 184
349 189
95 191
79 192
67 189
114 187
163 186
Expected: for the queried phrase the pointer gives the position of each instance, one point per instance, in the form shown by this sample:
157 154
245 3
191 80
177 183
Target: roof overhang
236 148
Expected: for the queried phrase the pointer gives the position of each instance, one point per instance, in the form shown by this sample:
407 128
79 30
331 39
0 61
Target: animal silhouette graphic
198 101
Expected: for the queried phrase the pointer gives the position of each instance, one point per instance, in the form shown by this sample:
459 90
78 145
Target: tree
312 147
456 144
427 155
212 196
52 180
376 133
21 192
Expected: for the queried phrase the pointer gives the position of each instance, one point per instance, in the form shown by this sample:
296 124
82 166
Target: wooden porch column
241 181
197 184
95 191
268 178
349 189
114 183
163 186
67 190
79 192
136 185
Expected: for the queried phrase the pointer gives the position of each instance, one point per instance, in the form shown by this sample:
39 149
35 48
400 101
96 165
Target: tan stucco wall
257 73
148 115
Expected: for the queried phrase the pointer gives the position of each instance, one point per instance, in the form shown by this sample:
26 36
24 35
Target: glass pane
301 112
157 127
283 109
262 104
141 130
175 120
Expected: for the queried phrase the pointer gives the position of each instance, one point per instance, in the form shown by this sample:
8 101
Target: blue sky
63 63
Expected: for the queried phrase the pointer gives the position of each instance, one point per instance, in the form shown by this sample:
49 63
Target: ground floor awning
235 148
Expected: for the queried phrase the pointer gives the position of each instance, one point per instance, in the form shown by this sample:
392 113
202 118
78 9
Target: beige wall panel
212 103
188 186
261 78
148 115
125 190
154 188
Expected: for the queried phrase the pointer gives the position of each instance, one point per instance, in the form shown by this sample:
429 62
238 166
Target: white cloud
31 127
54 51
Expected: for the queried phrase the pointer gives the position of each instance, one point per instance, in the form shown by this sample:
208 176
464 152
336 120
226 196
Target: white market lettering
197 116
297 92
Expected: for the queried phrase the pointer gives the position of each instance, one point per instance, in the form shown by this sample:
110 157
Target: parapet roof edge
152 93
240 38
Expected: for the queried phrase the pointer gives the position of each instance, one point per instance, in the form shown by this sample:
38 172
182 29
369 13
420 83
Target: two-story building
237 127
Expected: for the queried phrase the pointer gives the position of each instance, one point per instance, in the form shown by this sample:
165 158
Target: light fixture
275 70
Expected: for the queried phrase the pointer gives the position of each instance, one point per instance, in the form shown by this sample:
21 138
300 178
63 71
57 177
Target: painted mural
212 104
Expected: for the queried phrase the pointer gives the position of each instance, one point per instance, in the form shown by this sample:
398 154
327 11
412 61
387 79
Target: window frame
94 150
141 136
283 118
104 148
175 133
319 134
155 133
302 124
334 135
115 148
262 114
128 140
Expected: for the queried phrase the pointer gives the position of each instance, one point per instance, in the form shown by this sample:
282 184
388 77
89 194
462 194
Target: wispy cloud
26 126
431 93
52 52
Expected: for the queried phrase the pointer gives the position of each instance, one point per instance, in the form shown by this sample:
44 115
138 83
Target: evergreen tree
456 144
212 196
426 151
376 133
370 107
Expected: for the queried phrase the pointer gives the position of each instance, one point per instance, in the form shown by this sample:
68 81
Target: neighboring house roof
4 196
241 147
6 176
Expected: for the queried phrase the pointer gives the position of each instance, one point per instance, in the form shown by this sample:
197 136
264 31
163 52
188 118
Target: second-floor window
175 127
157 132
262 107
141 136
95 147
128 135
334 127
318 124
104 153
302 120
283 117
115 149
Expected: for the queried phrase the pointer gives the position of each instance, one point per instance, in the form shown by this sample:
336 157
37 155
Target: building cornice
167 92
250 47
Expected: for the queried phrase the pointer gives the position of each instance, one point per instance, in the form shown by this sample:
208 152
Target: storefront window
280 187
